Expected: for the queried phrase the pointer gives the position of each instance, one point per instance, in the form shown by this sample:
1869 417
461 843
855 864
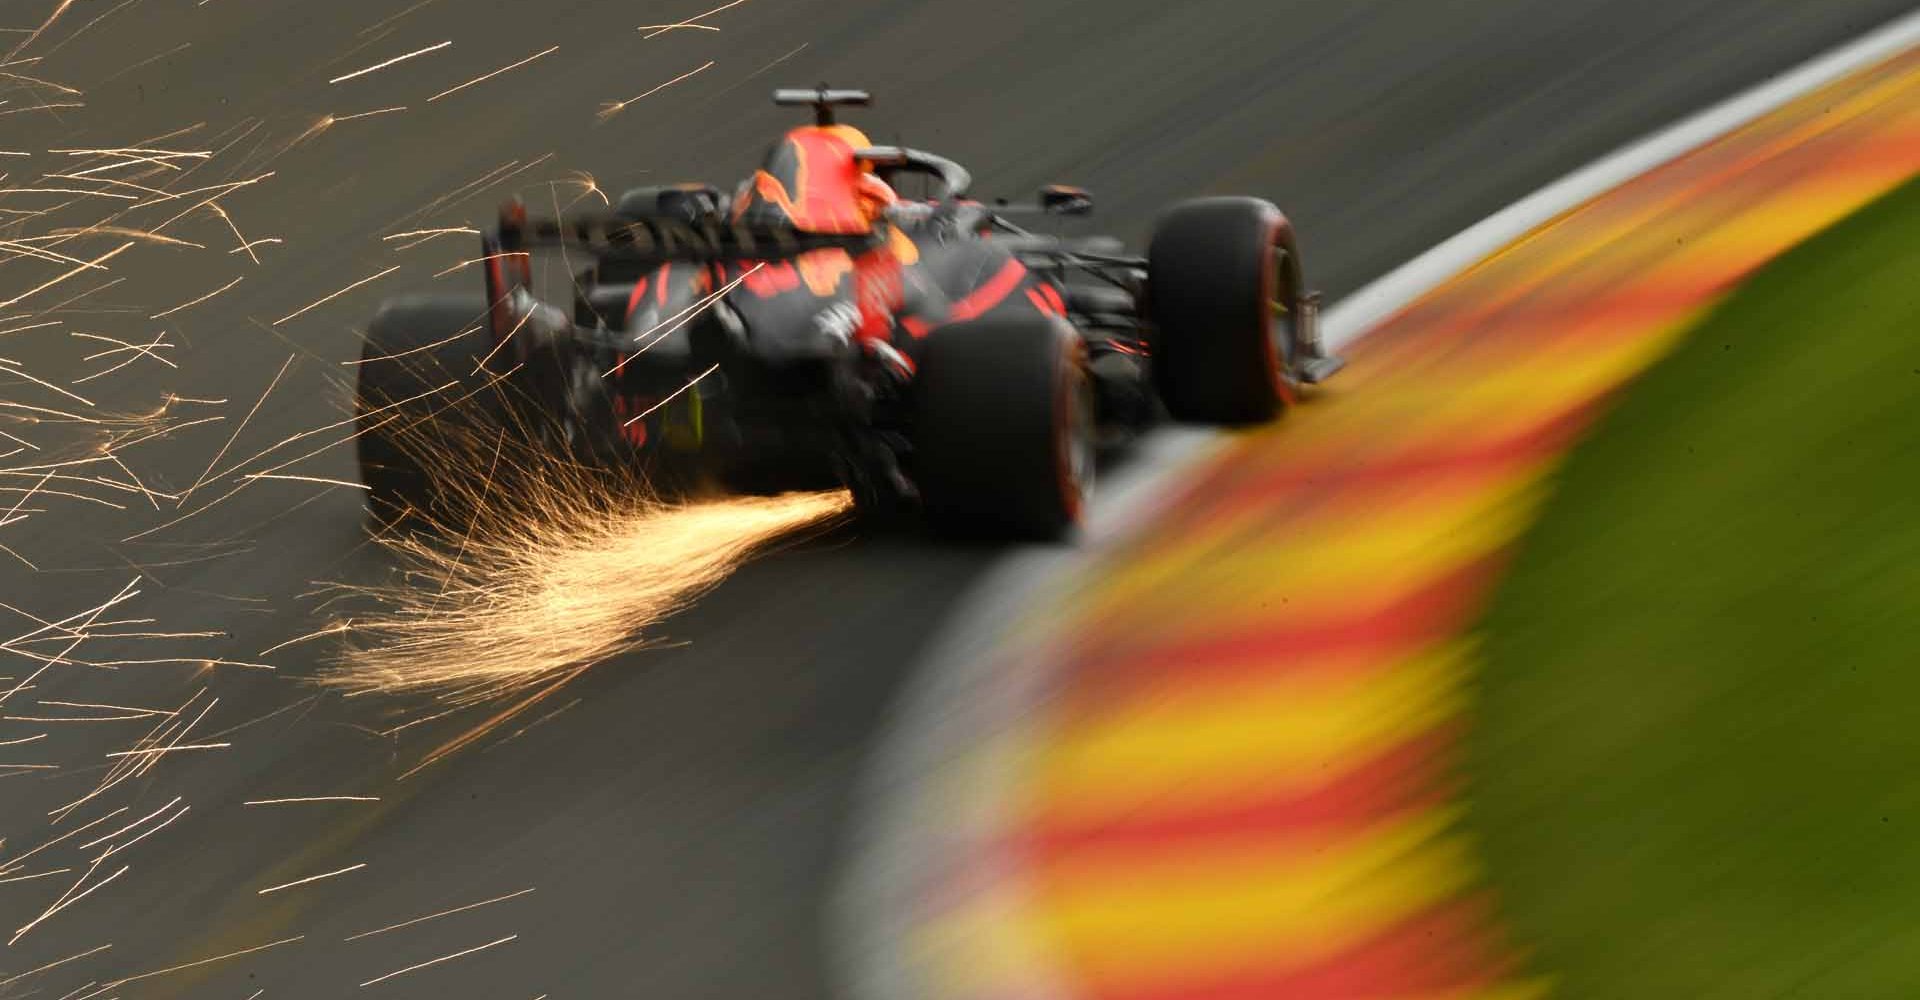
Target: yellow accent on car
682 423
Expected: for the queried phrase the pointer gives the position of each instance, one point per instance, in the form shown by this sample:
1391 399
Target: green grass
1695 763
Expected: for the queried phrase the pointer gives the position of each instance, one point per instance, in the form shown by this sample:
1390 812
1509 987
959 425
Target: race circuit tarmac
679 823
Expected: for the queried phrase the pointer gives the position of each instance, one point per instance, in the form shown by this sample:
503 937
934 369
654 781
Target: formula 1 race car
817 328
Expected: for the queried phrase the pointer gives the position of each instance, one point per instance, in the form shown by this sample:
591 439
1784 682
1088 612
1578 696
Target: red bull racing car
815 328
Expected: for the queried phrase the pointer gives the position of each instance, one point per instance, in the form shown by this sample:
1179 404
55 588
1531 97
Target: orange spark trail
50 965
334 629
422 349
367 114
437 961
436 916
395 59
580 583
482 79
478 260
190 965
115 708
692 22
94 263
335 295
194 302
76 831
311 878
29 878
163 824
67 899
243 426
658 29
103 838
170 748
611 108
441 231
676 321
649 411
312 798
35 33
319 480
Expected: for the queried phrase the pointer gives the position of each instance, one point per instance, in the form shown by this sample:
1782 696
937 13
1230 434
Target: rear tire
1003 428
415 345
1218 271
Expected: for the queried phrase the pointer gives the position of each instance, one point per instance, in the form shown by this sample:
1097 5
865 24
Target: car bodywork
771 339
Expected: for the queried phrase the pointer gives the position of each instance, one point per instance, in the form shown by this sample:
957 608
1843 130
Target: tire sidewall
1214 271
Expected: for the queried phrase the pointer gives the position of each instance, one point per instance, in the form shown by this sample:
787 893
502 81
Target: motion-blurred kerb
1242 787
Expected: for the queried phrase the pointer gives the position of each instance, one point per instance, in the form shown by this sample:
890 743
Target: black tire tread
986 401
1206 268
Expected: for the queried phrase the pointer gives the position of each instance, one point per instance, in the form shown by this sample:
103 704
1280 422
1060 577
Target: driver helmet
875 195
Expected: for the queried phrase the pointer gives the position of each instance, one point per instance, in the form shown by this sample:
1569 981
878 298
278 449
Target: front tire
1224 294
1003 429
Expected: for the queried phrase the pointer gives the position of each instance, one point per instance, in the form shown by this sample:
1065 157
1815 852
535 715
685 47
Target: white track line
960 692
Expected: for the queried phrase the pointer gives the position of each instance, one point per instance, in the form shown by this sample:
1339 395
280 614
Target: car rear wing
822 100
631 244
611 237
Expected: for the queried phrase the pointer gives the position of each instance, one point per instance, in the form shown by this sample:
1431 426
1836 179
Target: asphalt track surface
681 822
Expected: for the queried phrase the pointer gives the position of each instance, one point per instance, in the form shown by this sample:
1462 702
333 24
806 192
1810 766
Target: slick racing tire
1223 292
1003 429
420 406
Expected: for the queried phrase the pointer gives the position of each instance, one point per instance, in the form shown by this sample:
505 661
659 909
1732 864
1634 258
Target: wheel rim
1281 316
1075 445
